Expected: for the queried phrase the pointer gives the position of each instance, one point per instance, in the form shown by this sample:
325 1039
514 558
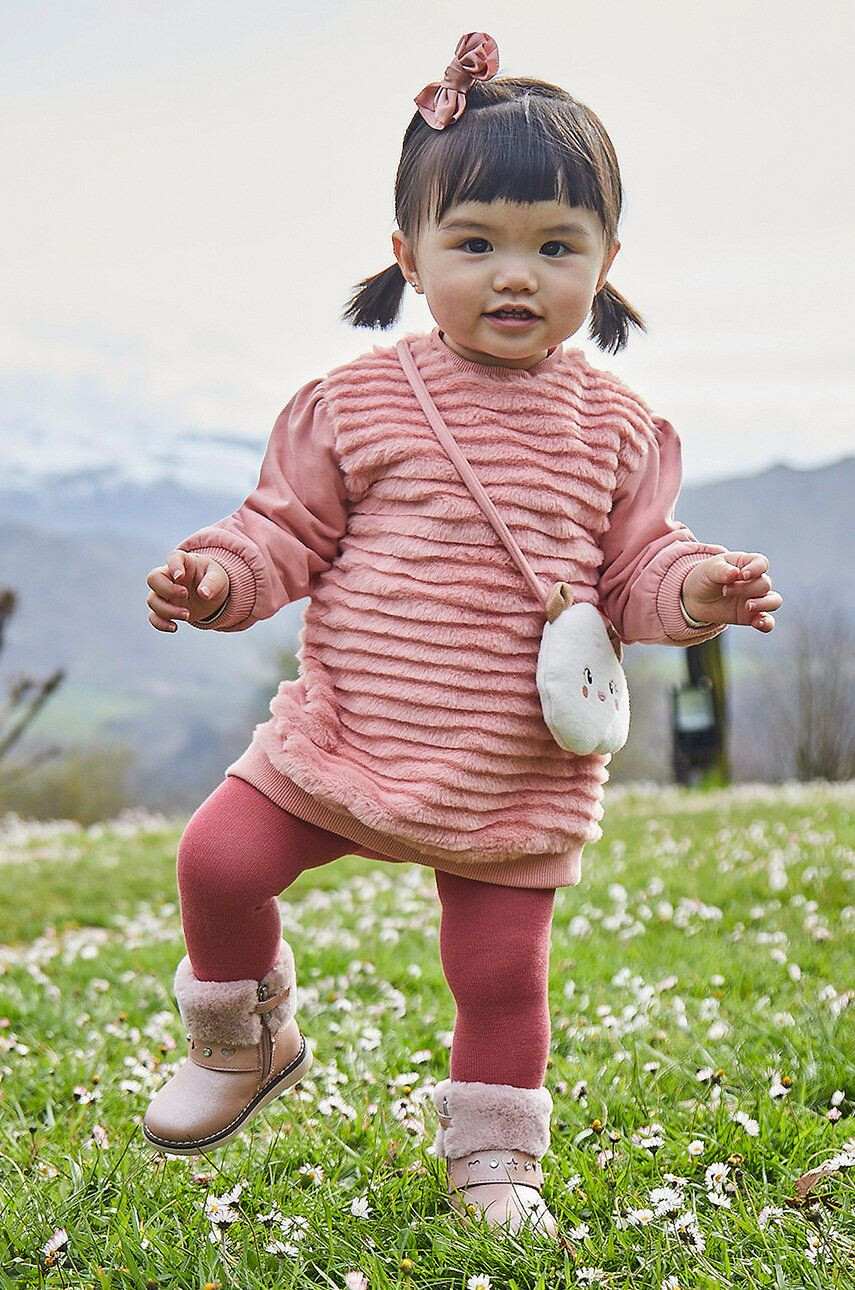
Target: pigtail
376 301
611 315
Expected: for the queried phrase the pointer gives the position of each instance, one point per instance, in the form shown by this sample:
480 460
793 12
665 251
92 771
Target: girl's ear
608 261
403 254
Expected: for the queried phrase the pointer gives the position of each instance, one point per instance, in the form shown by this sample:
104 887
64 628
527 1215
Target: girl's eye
470 240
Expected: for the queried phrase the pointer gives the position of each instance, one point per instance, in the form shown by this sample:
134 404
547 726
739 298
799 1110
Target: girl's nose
515 278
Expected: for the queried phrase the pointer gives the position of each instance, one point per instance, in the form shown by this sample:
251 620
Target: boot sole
285 1080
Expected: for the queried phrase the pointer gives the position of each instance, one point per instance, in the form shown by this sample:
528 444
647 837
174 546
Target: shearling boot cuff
491 1117
223 1012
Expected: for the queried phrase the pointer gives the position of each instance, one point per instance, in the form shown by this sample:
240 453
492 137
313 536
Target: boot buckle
266 1004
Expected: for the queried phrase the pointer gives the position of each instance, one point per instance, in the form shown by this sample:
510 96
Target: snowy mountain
58 428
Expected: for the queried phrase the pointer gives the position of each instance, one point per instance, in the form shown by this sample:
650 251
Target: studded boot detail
245 1049
493 1138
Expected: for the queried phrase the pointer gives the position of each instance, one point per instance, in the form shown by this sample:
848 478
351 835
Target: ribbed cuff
668 596
238 604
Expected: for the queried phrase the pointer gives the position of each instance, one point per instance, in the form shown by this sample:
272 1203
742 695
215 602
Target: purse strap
465 470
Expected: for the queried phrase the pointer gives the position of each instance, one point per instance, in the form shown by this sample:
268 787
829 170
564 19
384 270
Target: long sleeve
289 528
647 553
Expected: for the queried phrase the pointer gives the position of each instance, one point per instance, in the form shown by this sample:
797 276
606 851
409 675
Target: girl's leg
494 946
238 852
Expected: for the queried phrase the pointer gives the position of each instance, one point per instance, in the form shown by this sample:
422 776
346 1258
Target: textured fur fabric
424 619
492 1117
416 708
221 1012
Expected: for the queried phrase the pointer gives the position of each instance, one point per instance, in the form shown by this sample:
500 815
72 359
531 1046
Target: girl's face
548 256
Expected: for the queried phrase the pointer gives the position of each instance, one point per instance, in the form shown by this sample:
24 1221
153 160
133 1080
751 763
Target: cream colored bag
582 686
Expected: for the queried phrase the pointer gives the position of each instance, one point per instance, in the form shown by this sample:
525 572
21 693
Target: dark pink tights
240 851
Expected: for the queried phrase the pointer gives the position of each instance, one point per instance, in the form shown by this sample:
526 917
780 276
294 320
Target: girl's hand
732 587
176 589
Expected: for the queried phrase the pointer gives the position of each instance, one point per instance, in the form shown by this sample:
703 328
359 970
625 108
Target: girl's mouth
513 321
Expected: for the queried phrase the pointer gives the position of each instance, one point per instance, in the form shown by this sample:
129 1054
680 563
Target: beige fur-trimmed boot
245 1049
493 1137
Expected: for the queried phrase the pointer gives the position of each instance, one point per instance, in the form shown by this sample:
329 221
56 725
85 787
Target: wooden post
700 749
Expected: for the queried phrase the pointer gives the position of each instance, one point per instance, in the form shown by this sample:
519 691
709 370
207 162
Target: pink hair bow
476 58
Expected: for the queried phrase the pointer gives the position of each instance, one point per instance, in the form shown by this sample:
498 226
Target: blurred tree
53 781
810 698
24 700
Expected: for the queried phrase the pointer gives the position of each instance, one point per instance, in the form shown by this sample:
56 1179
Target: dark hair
518 140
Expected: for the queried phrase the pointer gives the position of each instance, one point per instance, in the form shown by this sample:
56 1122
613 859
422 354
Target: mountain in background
76 548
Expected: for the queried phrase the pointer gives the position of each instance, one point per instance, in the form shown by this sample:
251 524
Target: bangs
503 155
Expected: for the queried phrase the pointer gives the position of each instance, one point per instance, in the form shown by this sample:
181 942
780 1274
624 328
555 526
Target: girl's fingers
757 565
162 583
758 587
773 601
749 564
179 566
169 594
731 567
162 624
167 609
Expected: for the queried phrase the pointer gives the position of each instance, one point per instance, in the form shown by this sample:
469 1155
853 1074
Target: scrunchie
476 58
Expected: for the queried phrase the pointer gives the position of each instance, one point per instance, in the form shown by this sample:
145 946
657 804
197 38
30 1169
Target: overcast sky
190 192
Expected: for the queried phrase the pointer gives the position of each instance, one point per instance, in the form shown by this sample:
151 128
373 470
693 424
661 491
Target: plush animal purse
582 686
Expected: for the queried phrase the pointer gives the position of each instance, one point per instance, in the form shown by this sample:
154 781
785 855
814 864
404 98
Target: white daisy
751 1127
768 1212
218 1209
665 1200
716 1175
718 1198
282 1247
58 1241
778 1088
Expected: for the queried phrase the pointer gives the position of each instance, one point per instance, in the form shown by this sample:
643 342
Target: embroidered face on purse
582 686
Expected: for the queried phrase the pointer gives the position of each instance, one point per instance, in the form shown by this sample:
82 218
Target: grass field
703 1061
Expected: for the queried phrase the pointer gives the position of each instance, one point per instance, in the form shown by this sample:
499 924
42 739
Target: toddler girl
414 732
